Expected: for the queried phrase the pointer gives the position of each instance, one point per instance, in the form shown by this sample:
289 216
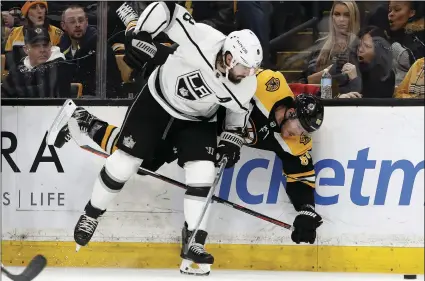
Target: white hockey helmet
245 49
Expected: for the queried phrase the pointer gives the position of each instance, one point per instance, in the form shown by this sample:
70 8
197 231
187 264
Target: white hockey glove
229 146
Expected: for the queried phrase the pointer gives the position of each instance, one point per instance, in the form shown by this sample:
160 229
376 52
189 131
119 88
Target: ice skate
58 137
86 225
197 261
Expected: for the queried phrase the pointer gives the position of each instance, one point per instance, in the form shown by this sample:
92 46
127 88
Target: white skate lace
68 136
198 248
87 224
83 118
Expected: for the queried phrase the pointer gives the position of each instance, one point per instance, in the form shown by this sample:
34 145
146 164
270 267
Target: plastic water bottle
326 85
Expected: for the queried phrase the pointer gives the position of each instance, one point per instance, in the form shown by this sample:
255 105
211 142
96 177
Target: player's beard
233 78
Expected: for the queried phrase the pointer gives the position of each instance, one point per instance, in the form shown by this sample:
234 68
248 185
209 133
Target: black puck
410 277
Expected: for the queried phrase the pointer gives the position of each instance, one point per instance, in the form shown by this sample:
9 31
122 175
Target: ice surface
88 274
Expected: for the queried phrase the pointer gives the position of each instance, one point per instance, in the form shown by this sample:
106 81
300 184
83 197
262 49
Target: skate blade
77 248
61 119
187 267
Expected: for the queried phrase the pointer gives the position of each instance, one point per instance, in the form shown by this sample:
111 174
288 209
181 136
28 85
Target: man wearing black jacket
43 73
79 46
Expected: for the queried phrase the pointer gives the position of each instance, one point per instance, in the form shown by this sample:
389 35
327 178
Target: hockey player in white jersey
179 105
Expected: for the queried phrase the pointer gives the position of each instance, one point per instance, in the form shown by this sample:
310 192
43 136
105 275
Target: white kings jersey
188 86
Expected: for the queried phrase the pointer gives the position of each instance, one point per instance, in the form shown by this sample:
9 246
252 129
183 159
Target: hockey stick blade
36 265
144 172
61 119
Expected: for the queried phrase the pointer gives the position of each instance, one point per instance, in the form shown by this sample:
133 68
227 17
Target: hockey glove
229 146
305 225
139 48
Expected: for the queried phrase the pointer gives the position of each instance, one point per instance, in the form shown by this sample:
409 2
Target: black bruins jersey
293 151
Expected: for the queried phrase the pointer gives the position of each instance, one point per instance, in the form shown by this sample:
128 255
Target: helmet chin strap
228 68
227 72
285 119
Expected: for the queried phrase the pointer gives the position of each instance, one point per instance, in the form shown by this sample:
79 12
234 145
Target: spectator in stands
255 15
376 75
412 86
4 33
79 45
333 51
407 32
18 18
218 14
43 73
34 13
8 19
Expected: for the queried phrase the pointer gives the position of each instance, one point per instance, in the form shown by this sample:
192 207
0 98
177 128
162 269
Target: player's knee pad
199 173
118 169
199 177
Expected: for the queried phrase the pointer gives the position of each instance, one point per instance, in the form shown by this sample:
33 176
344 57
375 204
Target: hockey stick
207 203
34 268
143 171
64 118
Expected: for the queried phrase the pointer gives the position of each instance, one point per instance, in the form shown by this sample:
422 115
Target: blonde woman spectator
334 49
412 86
34 13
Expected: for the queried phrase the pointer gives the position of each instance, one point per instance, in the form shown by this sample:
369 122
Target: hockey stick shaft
143 171
8 274
217 178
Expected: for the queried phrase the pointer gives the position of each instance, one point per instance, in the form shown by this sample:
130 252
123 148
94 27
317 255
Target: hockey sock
105 190
118 169
105 136
194 203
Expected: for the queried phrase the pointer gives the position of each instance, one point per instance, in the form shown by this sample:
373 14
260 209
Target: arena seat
76 90
124 68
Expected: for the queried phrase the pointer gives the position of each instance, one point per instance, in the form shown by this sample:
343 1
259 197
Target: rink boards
370 190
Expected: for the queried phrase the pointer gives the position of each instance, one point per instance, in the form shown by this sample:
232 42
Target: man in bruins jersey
279 123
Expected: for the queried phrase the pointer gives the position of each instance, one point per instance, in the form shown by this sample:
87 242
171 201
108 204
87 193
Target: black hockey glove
305 225
229 146
139 49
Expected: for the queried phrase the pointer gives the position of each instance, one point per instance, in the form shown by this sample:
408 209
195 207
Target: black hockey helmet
310 111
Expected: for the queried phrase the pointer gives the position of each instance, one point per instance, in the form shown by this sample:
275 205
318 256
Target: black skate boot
85 122
86 225
196 254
